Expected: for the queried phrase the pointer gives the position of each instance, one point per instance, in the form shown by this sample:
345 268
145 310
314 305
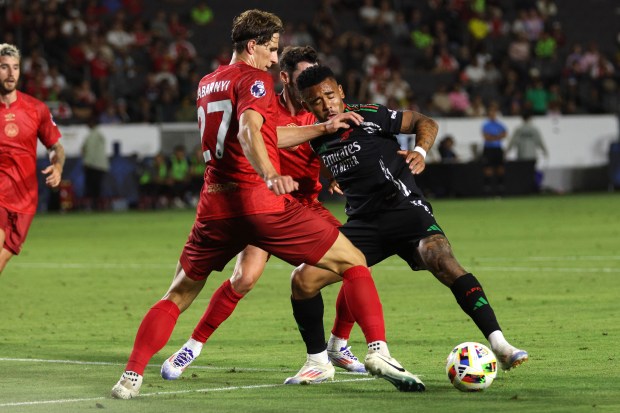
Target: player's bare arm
253 146
425 130
288 137
54 171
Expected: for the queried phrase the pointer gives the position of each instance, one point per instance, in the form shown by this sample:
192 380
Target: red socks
153 334
221 305
343 324
364 304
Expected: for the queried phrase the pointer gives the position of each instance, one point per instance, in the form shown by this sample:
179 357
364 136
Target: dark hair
254 24
314 75
293 55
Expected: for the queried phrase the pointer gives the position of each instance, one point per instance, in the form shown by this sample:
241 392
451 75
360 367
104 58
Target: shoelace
347 352
184 357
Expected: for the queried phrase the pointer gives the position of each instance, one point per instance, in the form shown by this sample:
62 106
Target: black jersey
364 162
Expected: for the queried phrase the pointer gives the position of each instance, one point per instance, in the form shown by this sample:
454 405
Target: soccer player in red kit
303 165
242 203
23 119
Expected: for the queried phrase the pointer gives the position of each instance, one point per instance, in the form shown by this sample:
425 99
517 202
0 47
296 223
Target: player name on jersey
209 88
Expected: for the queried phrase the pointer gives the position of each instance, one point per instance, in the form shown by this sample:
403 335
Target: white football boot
175 365
128 386
312 372
510 357
345 359
389 369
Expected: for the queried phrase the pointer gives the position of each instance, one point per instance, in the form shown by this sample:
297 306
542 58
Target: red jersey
232 187
21 124
300 162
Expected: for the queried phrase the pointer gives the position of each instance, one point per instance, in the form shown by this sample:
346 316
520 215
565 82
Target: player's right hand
343 121
282 184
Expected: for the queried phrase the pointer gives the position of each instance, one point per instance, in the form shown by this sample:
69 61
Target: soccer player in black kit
387 212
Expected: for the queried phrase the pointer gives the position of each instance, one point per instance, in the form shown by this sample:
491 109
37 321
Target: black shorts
395 232
492 156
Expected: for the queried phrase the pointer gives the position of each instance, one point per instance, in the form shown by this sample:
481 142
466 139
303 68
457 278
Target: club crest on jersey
11 130
258 89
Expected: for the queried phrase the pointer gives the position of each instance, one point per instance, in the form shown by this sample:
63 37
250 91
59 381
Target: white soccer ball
471 366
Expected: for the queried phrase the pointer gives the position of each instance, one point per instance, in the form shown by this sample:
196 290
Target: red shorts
325 213
15 226
297 235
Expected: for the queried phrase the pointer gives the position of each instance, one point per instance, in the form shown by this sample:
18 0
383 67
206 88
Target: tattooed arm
54 171
425 130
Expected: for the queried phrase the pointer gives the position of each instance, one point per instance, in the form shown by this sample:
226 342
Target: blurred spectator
493 132
159 26
459 99
54 80
421 37
441 101
302 36
83 102
74 27
176 27
445 62
201 14
179 175
533 25
527 140
399 89
33 62
400 29
369 15
498 27
537 97
446 150
117 36
109 115
547 9
100 72
154 183
477 108
181 48
186 111
519 52
478 29
387 16
545 46
96 165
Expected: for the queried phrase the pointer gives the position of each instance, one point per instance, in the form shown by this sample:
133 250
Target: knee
436 255
301 286
243 281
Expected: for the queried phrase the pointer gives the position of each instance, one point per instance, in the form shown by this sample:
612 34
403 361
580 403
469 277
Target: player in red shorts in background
242 203
302 164
23 119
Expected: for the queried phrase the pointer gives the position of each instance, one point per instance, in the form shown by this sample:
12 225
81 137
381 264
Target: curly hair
313 76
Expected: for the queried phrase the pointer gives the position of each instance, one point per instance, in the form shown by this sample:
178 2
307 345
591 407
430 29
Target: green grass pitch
72 301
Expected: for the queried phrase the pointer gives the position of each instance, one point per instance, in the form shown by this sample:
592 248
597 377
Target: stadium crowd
112 60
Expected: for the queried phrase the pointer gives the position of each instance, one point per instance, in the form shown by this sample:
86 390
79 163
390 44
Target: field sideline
72 301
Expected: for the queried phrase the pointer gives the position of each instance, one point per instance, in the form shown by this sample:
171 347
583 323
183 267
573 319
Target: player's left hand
415 160
343 121
334 187
54 174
